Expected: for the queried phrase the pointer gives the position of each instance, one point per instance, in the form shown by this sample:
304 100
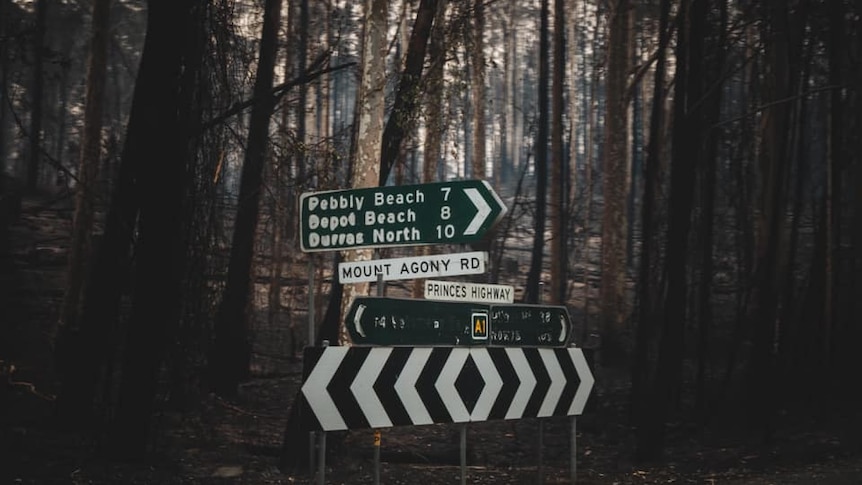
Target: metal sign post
463 454
540 466
377 457
311 436
321 461
573 464
377 438
321 448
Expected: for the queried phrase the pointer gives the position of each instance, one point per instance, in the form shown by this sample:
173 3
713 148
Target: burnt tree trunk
643 401
34 152
855 301
712 101
405 109
477 75
76 405
434 120
833 332
365 150
686 150
398 125
162 162
532 289
612 292
559 176
770 223
229 363
89 162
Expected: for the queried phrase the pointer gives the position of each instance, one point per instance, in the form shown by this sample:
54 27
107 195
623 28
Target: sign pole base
573 472
540 465
321 462
463 454
376 457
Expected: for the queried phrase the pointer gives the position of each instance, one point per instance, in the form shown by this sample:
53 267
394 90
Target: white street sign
413 267
478 292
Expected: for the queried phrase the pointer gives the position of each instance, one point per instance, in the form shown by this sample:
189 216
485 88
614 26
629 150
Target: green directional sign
402 321
522 324
456 212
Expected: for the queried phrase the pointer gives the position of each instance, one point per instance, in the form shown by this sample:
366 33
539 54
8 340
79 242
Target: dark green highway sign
402 321
456 212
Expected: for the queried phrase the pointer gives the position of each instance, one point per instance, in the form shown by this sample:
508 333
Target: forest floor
239 441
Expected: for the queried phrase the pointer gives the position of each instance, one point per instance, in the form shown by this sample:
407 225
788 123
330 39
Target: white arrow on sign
405 386
315 389
493 384
527 380
587 380
445 385
482 211
337 372
357 320
558 382
563 329
363 388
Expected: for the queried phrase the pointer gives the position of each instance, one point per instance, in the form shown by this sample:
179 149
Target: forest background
684 176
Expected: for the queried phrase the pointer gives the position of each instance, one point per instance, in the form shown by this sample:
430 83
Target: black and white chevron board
349 387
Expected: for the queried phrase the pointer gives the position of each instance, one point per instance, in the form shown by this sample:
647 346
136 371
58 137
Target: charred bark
163 162
532 288
612 292
643 399
230 358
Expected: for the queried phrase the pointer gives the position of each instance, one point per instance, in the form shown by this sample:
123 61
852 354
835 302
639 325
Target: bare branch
280 90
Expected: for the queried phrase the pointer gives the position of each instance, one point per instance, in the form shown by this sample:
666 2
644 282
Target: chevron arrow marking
587 380
405 386
493 384
384 386
509 380
445 385
558 382
363 388
379 387
483 210
528 383
571 382
315 391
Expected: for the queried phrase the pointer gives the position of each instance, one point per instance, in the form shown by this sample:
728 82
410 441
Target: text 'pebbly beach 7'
455 212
